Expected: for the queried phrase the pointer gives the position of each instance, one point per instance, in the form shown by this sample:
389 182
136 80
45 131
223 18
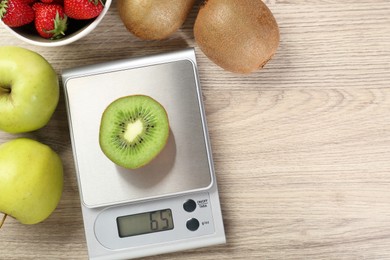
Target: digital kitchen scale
172 203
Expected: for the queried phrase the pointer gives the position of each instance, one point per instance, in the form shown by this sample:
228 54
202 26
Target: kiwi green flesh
133 130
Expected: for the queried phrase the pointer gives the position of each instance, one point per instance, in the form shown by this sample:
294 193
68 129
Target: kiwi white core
133 130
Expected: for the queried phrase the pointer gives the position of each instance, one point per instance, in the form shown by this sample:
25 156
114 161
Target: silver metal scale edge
174 200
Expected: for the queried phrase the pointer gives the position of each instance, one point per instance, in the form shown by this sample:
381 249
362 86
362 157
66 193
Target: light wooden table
301 148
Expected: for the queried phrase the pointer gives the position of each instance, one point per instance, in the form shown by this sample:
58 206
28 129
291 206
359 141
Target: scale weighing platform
172 203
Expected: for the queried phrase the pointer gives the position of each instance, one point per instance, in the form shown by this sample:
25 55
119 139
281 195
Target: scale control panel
156 222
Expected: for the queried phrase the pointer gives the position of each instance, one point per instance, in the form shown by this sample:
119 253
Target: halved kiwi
133 130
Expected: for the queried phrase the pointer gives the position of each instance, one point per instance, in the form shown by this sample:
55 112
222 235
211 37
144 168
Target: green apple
29 90
31 180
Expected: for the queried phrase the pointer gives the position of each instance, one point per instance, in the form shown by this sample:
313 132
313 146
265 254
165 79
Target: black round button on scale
189 205
192 224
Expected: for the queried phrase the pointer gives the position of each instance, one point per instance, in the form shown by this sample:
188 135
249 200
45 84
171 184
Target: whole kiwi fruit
240 36
133 130
154 20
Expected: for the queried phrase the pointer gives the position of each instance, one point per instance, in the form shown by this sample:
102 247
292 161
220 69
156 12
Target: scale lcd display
144 223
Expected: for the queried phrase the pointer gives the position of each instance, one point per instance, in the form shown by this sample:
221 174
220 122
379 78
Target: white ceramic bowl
75 31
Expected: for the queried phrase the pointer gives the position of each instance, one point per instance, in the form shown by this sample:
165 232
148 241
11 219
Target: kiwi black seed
133 130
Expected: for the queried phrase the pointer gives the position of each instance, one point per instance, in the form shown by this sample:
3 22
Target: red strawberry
52 1
29 2
15 13
83 9
50 20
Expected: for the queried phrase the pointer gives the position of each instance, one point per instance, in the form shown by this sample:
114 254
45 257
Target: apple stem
5 90
3 220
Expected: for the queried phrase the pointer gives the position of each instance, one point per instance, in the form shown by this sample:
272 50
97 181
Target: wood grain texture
301 148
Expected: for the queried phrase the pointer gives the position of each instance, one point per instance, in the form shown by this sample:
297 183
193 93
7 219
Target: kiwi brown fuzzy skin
240 36
154 20
120 126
